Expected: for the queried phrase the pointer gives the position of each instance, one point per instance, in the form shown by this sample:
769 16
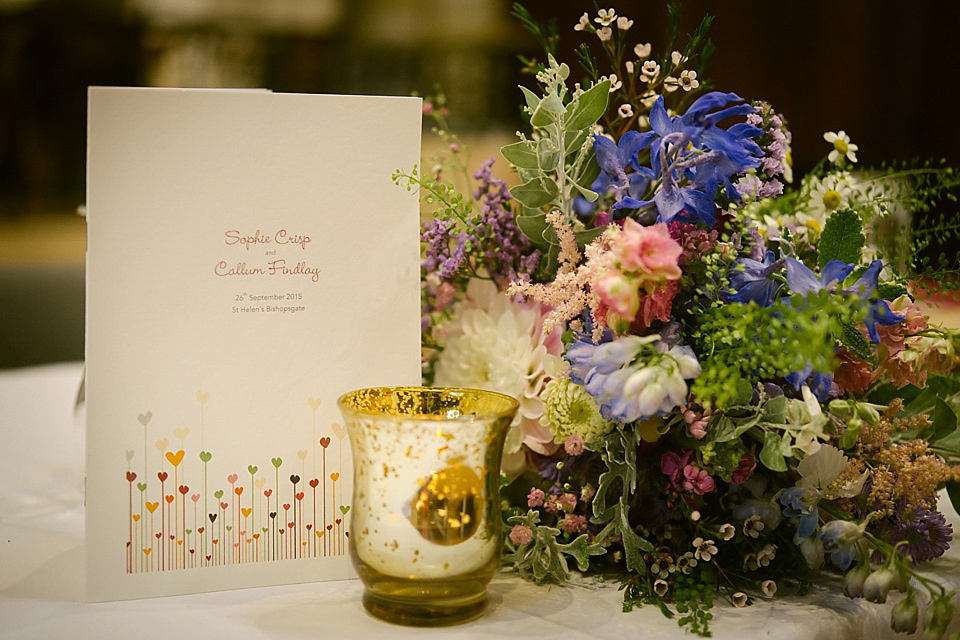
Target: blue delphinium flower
839 540
802 280
752 280
800 505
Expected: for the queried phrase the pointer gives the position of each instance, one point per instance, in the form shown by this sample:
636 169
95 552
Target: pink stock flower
647 250
697 480
573 524
574 445
686 476
618 293
535 498
521 534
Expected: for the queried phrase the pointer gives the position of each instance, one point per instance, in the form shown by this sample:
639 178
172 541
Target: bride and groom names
270 242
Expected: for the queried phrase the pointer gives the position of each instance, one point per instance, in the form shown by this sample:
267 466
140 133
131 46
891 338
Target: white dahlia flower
496 344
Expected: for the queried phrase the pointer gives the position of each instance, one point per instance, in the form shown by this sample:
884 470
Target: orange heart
152 506
334 476
175 458
169 499
136 517
246 511
238 490
146 552
180 542
320 534
256 536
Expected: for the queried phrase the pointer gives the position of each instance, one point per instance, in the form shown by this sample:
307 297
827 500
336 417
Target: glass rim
345 404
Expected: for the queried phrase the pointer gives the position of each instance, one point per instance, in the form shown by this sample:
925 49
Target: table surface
42 567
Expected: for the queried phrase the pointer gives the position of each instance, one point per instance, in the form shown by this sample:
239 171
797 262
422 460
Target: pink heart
232 478
195 497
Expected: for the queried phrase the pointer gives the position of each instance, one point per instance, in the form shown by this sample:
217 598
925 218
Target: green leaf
842 238
770 455
548 111
588 107
534 225
943 423
548 156
573 140
775 410
854 340
532 99
890 291
953 490
536 193
521 154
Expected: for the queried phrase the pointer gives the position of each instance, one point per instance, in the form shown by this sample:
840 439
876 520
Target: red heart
300 496
184 489
191 551
286 507
163 476
268 492
256 536
314 483
169 499
339 520
224 505
171 536
281 530
290 524
216 540
238 490
329 527
309 526
200 530
324 442
159 535
131 476
208 558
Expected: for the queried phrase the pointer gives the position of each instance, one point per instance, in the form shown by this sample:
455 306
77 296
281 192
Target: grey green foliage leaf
842 238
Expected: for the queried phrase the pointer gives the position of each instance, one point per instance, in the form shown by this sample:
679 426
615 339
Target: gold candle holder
425 533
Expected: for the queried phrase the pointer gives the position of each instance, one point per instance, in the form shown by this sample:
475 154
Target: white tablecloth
41 532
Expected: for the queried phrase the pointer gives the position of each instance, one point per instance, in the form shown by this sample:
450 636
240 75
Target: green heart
205 456
252 469
264 529
189 531
229 527
142 486
218 494
276 462
344 509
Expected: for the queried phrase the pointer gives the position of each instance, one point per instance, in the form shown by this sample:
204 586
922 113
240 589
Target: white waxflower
677 58
739 599
604 33
623 23
704 549
765 555
671 84
842 147
769 588
642 50
614 82
649 71
727 531
605 17
660 587
688 80
625 111
584 22
630 66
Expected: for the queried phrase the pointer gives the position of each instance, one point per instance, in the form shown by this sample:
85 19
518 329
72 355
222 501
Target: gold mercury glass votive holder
425 533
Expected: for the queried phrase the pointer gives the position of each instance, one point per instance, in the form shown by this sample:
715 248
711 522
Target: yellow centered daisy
841 145
831 199
813 225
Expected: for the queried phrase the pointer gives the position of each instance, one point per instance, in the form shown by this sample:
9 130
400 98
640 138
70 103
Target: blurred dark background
884 72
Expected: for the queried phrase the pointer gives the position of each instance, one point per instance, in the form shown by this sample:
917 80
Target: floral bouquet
725 384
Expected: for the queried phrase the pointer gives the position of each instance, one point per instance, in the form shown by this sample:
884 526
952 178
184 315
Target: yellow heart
175 458
334 476
260 482
181 433
246 511
136 517
162 444
339 430
203 396
313 402
302 454
152 506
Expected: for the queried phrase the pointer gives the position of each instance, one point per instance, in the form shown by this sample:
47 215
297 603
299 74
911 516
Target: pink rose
648 250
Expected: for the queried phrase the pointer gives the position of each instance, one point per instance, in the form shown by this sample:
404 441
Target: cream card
249 259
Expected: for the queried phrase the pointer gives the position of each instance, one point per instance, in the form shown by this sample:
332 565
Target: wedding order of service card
249 259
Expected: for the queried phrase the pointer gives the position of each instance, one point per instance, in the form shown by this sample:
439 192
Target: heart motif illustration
268 492
290 525
144 418
229 527
171 536
158 535
208 558
339 430
175 458
300 496
205 456
152 506
232 478
179 542
302 454
273 515
169 499
260 482
281 530
329 527
203 396
195 497
213 517
142 486
314 483
238 490
224 505
294 478
338 520
131 476
252 469
199 529
216 540
218 494
246 511
320 533
146 552
163 476
191 551
276 462
189 531
264 529
325 442
136 517
334 476
256 536
129 455
162 444
286 506
313 402
181 433
344 509
184 489
309 526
